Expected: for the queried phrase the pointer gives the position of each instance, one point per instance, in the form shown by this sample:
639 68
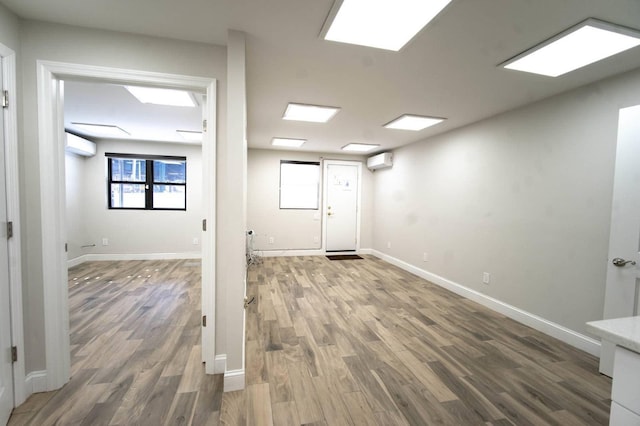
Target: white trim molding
36 382
311 252
97 257
220 364
233 380
50 82
564 334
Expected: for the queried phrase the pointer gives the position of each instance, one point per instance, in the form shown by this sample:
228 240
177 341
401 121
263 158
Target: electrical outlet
425 257
388 244
196 241
272 240
486 278
105 241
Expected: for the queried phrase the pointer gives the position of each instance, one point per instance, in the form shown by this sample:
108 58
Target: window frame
308 163
149 182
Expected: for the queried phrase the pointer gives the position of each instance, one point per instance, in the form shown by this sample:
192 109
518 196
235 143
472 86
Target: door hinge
204 125
66 247
204 224
9 229
5 99
204 320
14 354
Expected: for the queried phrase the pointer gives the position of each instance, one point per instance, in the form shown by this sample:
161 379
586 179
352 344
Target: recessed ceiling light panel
157 96
100 130
190 135
384 24
584 44
413 122
289 143
359 147
312 113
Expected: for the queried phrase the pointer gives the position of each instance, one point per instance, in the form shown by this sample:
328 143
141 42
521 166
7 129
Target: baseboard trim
35 382
136 256
564 334
220 364
320 252
233 380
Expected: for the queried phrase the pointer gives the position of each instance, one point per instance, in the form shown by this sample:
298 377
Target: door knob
618 261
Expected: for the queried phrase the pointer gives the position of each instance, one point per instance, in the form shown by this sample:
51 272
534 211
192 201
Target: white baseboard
543 325
136 256
319 252
233 380
220 364
35 382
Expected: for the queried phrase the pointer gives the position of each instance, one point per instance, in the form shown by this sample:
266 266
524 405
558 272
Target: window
146 182
299 185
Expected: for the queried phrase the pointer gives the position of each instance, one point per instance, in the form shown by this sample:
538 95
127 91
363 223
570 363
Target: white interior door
622 295
342 195
6 369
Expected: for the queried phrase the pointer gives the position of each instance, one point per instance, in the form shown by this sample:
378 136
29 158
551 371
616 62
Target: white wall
525 196
293 229
44 41
130 231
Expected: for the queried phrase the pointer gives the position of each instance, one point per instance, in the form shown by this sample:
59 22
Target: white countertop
623 332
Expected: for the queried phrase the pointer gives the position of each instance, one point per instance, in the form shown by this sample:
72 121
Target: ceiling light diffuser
156 96
190 135
385 24
586 43
313 113
100 130
413 122
359 147
289 143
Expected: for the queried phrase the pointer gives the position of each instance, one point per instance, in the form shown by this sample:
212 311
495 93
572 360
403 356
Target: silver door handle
618 261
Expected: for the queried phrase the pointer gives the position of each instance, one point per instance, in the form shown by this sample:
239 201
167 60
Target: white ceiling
449 70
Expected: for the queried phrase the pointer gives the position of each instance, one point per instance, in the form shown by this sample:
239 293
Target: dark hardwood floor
352 342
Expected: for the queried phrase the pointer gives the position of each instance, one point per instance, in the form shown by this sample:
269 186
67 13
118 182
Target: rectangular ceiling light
583 44
100 130
359 147
289 143
313 113
156 96
384 24
190 135
413 122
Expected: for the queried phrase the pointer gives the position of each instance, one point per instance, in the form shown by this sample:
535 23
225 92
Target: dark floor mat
343 257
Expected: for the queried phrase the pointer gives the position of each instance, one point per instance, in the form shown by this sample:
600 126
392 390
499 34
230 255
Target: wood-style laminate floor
356 342
135 350
360 342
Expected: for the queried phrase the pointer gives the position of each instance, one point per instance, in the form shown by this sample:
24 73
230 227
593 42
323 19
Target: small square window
299 185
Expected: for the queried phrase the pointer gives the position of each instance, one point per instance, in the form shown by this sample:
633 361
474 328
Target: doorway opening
341 204
52 165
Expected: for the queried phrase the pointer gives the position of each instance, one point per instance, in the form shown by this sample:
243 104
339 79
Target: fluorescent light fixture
190 135
586 43
100 130
313 113
413 122
359 147
290 143
156 96
385 24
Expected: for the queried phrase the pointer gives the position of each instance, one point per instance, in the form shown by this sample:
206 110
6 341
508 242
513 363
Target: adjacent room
351 212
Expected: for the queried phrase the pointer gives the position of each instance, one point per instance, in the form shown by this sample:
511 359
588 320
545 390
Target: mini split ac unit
80 146
380 161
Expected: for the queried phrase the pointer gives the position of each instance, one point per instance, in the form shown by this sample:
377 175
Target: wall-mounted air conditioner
79 145
380 161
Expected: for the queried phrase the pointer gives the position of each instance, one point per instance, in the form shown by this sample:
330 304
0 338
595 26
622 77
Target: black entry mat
343 257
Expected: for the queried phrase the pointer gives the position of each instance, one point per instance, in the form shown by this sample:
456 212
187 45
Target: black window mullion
149 186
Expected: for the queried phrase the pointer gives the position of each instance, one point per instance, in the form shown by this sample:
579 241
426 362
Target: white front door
6 368
622 295
342 195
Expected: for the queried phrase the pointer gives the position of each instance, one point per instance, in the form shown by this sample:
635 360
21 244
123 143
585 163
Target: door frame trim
52 191
13 214
325 188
